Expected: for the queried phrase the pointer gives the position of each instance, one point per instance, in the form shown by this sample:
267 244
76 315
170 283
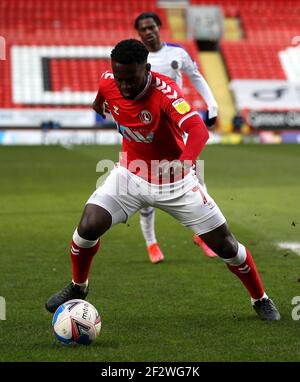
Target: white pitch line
293 246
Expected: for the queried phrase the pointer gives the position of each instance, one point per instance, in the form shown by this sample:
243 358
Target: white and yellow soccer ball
76 322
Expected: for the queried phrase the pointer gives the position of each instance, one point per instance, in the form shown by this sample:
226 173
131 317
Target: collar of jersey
143 92
163 45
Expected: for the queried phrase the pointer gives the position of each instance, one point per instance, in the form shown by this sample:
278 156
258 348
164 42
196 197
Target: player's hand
210 122
175 169
106 107
101 109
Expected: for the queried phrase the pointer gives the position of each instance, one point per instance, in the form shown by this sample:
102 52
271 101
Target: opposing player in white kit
170 60
151 122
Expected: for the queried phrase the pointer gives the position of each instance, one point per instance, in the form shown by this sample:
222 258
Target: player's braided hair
147 15
129 52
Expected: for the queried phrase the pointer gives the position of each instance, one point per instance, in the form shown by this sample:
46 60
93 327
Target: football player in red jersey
155 169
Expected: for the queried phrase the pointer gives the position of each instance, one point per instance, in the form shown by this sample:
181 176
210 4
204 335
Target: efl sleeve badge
181 106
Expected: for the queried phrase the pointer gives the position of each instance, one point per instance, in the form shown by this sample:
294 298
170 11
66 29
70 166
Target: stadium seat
98 23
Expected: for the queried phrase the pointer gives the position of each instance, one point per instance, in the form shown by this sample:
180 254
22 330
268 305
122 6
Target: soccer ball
76 321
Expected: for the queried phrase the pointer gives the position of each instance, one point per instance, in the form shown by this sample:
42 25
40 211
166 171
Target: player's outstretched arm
202 87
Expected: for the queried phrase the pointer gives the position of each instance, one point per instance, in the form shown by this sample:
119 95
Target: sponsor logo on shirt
181 106
135 135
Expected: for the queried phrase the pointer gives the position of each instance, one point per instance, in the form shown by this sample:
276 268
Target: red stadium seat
268 27
64 22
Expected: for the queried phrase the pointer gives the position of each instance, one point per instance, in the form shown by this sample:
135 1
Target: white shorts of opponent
124 193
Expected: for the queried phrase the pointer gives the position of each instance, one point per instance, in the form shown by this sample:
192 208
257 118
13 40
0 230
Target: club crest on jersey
145 116
174 65
181 106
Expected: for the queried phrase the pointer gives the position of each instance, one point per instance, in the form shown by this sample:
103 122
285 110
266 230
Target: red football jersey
150 124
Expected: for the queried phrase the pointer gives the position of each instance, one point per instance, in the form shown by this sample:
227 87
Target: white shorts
124 193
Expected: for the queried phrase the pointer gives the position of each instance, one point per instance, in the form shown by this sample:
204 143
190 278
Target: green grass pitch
190 308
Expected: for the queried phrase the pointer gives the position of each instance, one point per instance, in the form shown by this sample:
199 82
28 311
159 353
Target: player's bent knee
229 247
94 222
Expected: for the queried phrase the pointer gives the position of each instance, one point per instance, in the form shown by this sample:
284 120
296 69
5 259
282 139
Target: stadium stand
268 27
262 61
56 49
252 61
79 23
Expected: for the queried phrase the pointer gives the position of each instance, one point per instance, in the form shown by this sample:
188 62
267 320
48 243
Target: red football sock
248 275
81 261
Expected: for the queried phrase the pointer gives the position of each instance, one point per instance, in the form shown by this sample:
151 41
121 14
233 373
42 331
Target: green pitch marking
295 247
